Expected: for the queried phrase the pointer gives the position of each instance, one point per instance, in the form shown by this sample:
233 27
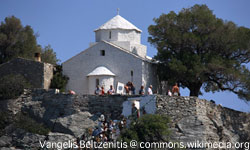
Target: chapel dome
118 22
100 71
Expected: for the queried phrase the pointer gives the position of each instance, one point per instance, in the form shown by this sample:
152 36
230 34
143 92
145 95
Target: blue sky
68 25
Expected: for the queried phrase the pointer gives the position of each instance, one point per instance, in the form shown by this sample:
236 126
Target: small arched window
102 52
97 82
109 34
132 74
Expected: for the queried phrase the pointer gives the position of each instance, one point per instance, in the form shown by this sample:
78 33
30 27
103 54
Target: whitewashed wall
148 102
118 35
129 35
117 61
123 44
149 76
138 49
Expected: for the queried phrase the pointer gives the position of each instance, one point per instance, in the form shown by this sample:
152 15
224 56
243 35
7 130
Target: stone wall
192 118
195 119
38 74
176 107
47 75
70 115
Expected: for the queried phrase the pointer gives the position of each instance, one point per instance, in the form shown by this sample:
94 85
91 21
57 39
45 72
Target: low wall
195 119
192 118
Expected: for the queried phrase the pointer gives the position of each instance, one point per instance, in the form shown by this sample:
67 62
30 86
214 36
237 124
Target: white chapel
117 55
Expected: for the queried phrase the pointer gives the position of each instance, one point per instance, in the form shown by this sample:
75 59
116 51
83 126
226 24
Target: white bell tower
122 33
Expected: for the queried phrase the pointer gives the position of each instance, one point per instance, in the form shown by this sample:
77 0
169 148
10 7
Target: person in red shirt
102 91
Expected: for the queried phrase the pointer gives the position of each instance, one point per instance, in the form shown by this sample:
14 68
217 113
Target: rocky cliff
201 120
68 116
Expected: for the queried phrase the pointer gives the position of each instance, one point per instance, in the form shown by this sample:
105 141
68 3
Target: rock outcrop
194 119
69 116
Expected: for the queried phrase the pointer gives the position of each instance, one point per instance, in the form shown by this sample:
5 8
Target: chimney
38 57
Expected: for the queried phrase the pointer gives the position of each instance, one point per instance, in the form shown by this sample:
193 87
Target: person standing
97 90
135 112
127 88
132 88
169 93
176 90
102 91
111 91
150 92
142 91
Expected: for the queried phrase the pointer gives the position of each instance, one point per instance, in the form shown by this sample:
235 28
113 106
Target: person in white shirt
97 90
111 91
169 93
150 92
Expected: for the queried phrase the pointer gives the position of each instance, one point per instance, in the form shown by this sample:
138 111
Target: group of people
107 130
129 89
101 91
149 91
175 91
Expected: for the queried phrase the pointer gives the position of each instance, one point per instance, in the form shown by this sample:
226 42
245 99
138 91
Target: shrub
12 86
22 121
4 121
59 81
25 122
148 128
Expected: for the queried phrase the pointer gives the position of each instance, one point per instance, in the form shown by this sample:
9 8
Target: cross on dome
118 9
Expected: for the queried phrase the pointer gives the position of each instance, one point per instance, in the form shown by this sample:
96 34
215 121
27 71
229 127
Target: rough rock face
68 117
201 120
71 114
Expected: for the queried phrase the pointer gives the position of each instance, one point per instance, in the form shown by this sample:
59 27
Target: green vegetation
148 128
4 121
28 124
59 81
197 50
19 41
22 121
49 56
12 86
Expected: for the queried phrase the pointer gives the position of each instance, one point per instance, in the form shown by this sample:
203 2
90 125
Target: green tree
197 50
59 81
19 41
148 128
49 56
16 40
